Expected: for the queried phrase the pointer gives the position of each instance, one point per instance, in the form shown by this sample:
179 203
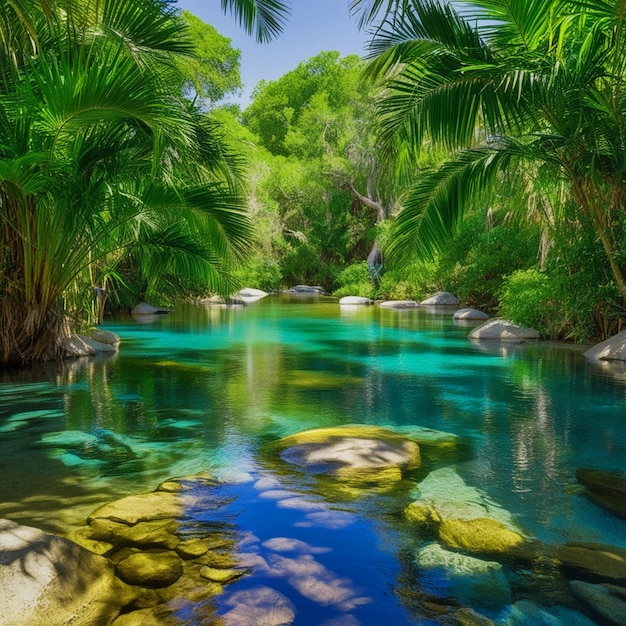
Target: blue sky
314 25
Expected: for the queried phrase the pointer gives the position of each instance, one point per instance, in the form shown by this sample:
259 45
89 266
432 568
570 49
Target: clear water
205 388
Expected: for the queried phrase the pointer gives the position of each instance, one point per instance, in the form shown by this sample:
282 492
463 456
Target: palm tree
506 87
102 162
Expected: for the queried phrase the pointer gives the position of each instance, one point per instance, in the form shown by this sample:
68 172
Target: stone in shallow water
464 578
606 601
597 562
152 534
46 580
150 569
480 535
261 606
144 507
503 330
221 575
606 489
357 447
526 613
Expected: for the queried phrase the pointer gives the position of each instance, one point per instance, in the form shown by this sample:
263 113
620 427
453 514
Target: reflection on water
205 388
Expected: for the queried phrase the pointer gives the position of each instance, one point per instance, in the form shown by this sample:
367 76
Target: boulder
353 447
105 336
306 289
152 534
150 569
470 314
352 300
76 346
143 308
248 295
398 304
503 330
145 507
46 580
593 561
479 536
441 298
464 578
613 349
606 602
606 489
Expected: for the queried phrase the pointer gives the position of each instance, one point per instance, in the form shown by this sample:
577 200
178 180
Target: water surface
204 389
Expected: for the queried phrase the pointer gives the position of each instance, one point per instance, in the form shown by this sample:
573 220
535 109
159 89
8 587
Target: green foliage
354 280
212 71
261 273
540 86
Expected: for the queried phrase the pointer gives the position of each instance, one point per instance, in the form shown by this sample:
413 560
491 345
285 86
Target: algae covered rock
593 561
358 447
480 535
140 508
606 489
150 569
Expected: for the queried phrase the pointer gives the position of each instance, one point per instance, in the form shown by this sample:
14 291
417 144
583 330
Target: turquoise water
205 388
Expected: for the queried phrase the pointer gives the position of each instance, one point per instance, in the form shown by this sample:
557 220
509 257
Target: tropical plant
513 90
104 163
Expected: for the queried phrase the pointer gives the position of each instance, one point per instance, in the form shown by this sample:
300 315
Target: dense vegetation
481 148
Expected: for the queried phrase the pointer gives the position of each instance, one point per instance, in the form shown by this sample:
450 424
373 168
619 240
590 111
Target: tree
508 88
212 71
318 119
103 161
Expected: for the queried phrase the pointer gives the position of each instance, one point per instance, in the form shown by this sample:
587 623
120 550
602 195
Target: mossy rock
349 451
593 561
192 548
481 535
150 569
423 515
152 534
221 575
145 507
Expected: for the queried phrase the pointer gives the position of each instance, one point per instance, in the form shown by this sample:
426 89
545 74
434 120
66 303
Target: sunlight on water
503 429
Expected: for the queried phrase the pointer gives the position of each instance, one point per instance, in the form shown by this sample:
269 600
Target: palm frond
265 18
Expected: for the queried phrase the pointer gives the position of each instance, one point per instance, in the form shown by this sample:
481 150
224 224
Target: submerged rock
606 489
525 613
144 507
150 569
593 561
464 578
607 602
345 448
479 535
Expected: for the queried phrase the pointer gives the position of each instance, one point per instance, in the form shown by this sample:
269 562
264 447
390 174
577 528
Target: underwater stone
525 612
192 548
140 508
597 562
607 604
150 569
221 575
481 535
154 534
358 447
465 578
